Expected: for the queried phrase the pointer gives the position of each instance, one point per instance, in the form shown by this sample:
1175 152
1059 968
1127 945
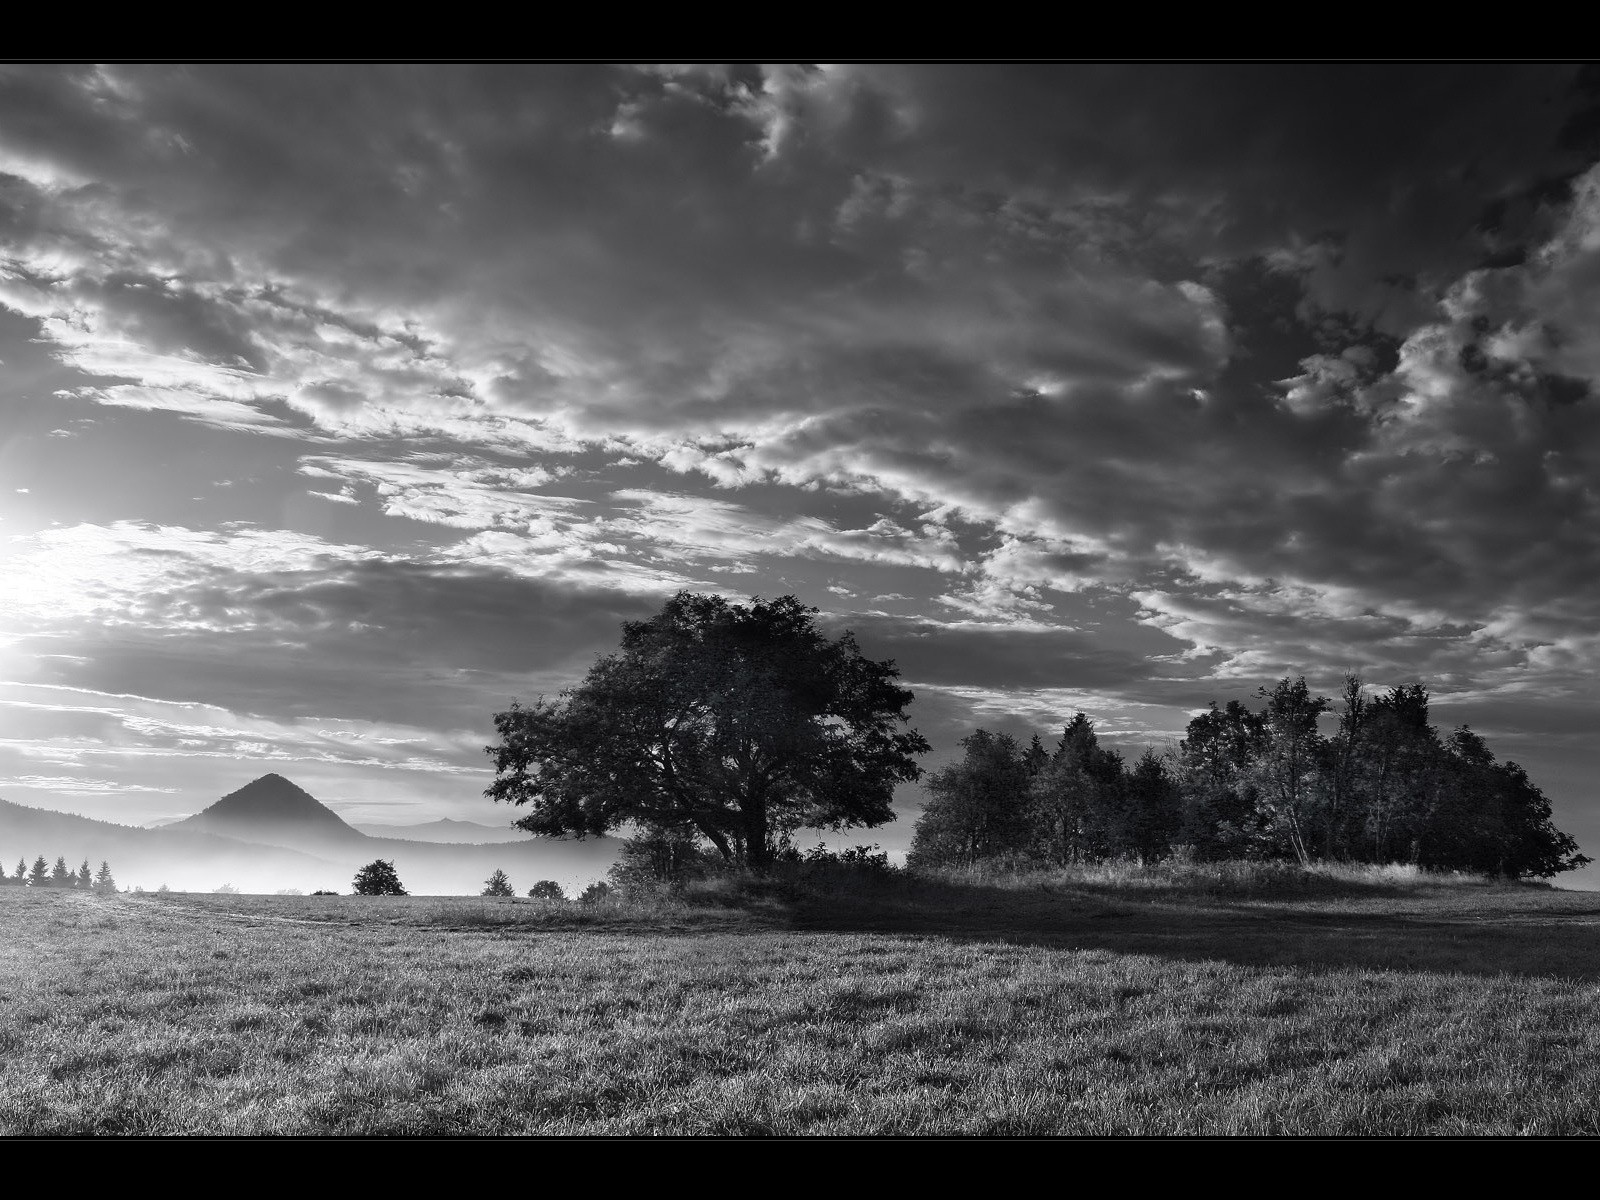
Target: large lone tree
740 722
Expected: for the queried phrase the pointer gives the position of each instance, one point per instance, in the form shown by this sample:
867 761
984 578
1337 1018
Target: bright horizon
339 406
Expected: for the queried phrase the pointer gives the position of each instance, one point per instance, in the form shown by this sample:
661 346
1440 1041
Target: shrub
324 892
660 858
855 858
595 892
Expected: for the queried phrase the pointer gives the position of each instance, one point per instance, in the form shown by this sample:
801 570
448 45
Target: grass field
1196 1001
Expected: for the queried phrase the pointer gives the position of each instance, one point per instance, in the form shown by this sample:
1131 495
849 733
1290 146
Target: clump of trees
547 889
43 875
1383 786
378 878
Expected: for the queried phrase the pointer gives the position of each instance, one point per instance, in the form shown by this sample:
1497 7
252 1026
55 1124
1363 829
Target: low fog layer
252 847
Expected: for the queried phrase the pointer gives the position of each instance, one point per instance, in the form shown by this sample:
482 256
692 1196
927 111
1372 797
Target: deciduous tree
978 807
1287 768
378 878
740 721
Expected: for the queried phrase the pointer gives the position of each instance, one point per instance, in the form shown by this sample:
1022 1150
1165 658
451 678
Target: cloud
1128 380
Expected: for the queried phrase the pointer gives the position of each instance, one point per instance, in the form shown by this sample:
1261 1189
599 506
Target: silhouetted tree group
1384 786
42 875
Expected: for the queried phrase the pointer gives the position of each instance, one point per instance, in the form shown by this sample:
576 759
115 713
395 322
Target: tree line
1384 786
41 875
733 726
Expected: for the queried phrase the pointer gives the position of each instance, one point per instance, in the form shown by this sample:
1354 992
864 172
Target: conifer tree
21 872
39 875
85 877
103 881
498 884
61 874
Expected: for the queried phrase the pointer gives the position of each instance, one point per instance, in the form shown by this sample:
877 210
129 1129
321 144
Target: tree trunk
756 851
714 836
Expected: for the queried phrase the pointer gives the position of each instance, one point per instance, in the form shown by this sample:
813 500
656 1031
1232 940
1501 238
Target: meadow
1166 1001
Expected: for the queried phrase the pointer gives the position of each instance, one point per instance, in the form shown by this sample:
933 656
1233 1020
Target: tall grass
1232 877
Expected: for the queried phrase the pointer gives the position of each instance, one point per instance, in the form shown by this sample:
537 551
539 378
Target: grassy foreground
1198 1001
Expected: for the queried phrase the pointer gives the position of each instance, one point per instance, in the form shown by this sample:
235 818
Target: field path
186 912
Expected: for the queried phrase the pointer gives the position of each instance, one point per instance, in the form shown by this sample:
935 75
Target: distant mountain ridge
446 830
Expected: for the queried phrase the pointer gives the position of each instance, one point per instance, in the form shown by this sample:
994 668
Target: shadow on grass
1490 930
1270 919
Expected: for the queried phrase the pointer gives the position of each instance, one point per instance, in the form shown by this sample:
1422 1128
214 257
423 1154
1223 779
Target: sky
341 405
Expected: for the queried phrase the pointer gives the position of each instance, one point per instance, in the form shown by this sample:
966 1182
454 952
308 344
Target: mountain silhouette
272 810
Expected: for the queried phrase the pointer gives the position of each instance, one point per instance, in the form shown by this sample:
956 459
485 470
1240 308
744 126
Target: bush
595 892
547 889
324 892
659 858
856 858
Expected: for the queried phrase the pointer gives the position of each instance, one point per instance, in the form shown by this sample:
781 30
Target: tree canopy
739 722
